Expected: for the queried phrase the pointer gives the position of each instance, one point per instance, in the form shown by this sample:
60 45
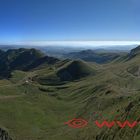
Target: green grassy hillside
75 70
35 104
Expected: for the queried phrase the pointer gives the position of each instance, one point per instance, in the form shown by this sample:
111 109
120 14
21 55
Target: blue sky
42 20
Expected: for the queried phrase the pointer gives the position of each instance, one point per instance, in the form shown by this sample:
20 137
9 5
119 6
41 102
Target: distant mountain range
95 56
26 59
59 51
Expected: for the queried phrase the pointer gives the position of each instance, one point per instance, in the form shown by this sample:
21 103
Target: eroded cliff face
4 135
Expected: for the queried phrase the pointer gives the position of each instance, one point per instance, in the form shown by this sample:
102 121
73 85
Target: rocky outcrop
4 135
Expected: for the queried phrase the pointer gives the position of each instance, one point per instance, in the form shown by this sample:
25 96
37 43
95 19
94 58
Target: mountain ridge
95 56
22 59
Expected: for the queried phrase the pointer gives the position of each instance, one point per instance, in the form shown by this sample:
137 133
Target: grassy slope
37 112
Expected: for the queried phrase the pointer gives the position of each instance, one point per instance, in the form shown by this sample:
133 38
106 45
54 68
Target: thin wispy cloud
80 43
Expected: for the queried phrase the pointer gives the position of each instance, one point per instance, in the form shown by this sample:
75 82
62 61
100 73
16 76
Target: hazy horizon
78 44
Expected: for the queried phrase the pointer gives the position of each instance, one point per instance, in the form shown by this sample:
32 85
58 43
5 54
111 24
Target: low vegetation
39 95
